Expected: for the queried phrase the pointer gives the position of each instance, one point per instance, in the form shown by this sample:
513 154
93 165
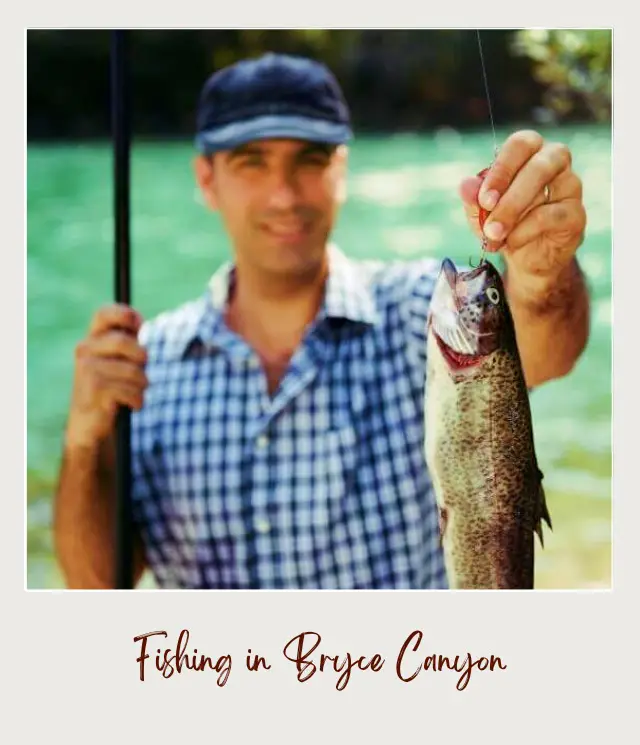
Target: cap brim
272 127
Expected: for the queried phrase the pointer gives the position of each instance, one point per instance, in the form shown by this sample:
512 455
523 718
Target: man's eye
252 160
314 159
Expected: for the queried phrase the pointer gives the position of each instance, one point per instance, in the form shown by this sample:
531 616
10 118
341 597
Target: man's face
278 200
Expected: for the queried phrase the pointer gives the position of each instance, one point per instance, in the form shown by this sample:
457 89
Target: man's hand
538 234
537 221
109 371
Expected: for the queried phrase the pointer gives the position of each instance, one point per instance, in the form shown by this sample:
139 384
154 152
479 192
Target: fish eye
493 295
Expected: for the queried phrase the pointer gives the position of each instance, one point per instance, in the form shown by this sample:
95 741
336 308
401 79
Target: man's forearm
551 320
84 514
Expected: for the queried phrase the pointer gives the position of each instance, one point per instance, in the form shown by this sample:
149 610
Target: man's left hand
537 229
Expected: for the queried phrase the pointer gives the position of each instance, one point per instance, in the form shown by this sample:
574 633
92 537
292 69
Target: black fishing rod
121 133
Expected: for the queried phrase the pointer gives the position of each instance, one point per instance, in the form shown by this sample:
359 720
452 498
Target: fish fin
442 523
543 512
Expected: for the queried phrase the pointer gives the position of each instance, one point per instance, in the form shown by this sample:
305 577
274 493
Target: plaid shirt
323 485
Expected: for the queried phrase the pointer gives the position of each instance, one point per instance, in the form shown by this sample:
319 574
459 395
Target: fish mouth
457 360
450 273
459 345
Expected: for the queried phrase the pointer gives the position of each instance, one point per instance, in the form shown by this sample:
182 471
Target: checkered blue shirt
323 485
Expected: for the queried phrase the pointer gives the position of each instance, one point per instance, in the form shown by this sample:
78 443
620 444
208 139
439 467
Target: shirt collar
347 297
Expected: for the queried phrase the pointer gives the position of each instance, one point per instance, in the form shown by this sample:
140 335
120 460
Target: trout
479 444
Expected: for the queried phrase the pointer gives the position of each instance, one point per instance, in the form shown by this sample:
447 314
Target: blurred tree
395 80
575 68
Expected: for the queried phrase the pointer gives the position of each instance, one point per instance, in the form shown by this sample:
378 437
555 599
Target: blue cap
273 96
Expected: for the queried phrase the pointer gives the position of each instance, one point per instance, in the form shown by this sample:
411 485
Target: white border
567 651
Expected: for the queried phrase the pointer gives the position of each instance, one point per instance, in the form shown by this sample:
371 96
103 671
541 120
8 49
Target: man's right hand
109 372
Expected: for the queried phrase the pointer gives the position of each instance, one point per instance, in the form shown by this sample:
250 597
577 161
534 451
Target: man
277 433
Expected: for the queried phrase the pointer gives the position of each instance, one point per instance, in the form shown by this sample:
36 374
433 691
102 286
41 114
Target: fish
479 441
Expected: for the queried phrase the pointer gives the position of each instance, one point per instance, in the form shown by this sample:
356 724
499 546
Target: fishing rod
121 133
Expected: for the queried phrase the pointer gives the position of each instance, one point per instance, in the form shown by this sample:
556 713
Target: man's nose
283 189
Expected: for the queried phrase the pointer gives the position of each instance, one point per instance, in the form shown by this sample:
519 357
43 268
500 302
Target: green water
402 203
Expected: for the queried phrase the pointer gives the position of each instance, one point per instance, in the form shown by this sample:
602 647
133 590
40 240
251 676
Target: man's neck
272 316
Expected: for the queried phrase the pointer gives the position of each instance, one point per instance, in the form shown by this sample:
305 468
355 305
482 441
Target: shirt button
263 441
262 526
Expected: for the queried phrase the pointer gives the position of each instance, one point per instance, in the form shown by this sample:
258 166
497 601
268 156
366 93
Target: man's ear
204 173
342 156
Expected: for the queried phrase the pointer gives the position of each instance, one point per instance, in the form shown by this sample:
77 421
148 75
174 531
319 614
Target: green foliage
574 66
395 80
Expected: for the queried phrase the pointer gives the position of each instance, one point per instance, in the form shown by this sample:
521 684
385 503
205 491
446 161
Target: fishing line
486 90
493 127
